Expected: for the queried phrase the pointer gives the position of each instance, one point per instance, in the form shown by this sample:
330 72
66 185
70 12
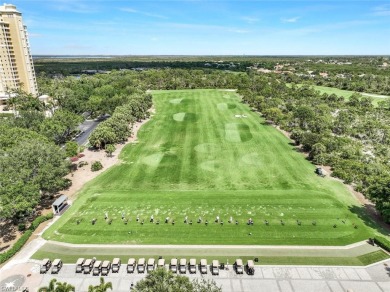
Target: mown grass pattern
205 163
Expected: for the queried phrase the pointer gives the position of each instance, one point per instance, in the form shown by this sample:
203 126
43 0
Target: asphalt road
86 129
373 278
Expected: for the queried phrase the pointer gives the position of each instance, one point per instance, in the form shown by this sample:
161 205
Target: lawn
205 154
364 260
347 93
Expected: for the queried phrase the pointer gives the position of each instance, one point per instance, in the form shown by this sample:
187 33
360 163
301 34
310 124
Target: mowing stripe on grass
190 169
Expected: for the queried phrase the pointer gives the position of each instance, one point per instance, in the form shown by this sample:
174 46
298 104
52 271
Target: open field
205 154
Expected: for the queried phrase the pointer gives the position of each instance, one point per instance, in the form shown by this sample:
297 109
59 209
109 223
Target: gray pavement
373 278
86 128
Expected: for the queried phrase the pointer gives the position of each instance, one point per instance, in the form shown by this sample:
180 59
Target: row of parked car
97 267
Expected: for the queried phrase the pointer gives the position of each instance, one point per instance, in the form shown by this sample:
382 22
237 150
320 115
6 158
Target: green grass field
347 93
205 154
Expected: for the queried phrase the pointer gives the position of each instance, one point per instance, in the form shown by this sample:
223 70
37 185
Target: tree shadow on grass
371 218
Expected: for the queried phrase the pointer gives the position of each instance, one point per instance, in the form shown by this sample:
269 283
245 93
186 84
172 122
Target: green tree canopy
162 280
102 287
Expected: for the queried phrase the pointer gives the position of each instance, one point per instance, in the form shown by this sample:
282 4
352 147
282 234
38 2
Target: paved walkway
351 250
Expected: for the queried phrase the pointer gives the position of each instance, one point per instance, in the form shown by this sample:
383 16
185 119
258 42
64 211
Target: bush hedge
383 243
5 256
96 166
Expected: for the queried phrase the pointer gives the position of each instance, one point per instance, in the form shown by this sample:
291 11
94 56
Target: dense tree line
102 93
352 136
31 168
369 83
118 127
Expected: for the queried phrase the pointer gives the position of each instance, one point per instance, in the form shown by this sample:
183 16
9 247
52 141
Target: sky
207 27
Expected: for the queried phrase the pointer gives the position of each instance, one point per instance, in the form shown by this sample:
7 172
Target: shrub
96 166
39 220
21 226
23 239
71 148
82 163
73 159
382 242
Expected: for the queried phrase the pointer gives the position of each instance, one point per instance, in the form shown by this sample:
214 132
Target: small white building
60 205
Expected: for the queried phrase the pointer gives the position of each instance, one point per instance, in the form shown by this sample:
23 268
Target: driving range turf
205 154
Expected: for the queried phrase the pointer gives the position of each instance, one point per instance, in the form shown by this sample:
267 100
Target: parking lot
375 278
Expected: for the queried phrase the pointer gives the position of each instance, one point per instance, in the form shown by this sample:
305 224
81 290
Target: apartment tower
16 64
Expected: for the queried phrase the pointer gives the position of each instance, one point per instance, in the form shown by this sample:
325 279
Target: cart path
25 254
352 250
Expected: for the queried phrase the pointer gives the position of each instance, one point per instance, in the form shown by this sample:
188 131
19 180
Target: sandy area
84 174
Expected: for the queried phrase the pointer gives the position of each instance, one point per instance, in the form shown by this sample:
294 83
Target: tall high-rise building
16 64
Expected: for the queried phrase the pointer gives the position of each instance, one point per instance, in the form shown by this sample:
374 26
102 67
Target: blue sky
201 27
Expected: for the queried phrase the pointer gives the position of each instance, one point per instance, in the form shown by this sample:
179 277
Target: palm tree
55 286
50 288
64 287
103 287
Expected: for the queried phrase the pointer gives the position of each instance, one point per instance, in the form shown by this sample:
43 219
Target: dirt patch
84 174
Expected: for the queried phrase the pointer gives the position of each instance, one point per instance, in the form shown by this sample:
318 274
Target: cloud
290 20
383 10
131 10
250 19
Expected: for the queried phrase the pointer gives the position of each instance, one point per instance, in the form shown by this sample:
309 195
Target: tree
205 286
110 149
379 192
102 136
50 288
304 115
102 287
274 114
59 127
22 101
29 169
316 150
162 280
55 286
64 287
71 148
29 119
